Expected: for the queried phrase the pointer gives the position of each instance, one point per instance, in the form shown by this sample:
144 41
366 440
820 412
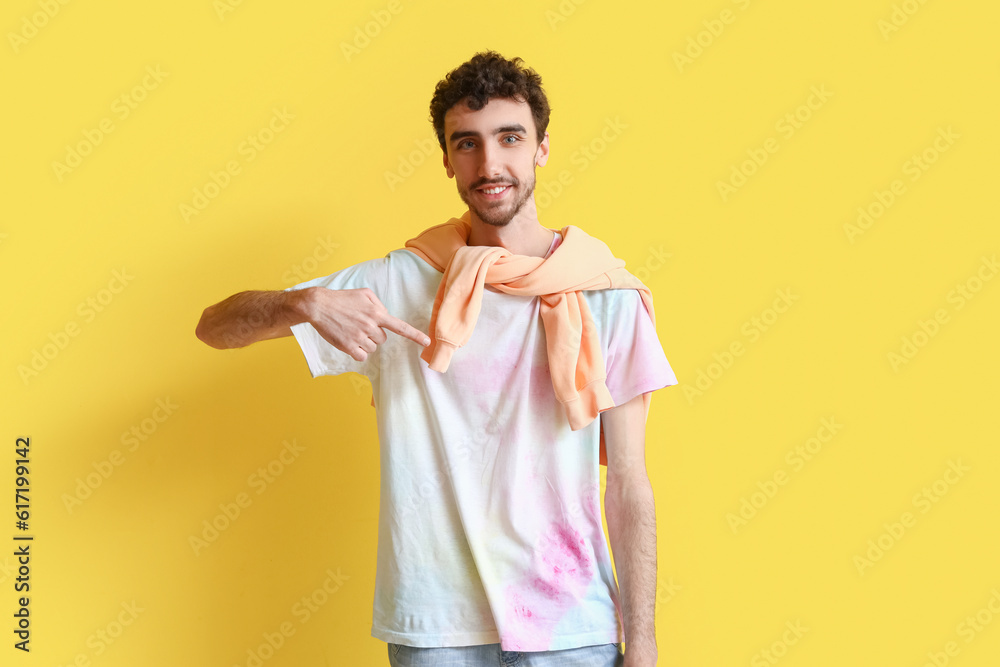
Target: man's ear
542 153
447 165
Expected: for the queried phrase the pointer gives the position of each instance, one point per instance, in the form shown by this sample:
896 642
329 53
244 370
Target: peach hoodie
581 262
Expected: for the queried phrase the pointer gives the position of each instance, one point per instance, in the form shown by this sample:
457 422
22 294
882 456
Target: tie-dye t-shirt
490 512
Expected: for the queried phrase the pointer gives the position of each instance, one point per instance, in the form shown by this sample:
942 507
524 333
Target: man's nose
491 166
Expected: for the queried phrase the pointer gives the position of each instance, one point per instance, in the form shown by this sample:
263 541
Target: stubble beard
500 216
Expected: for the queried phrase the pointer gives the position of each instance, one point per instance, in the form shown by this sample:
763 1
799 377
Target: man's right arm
351 320
250 316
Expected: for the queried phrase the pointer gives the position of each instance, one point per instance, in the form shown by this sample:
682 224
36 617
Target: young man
538 367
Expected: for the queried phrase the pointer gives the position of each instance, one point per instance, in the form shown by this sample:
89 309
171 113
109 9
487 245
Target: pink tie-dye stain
560 575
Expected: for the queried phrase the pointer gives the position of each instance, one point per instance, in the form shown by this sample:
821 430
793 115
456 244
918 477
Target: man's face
492 148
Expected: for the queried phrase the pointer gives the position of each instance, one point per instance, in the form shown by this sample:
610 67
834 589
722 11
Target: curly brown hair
487 75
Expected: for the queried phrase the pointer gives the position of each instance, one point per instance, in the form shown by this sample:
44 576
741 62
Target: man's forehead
498 111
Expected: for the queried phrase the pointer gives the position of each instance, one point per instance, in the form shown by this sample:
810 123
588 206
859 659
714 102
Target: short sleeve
322 357
635 361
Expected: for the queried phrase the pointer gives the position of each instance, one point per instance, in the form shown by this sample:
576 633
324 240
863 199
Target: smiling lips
494 191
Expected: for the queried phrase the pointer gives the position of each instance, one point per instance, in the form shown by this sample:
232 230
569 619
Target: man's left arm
631 516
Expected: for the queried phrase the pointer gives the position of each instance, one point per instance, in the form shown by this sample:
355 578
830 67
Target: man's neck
523 235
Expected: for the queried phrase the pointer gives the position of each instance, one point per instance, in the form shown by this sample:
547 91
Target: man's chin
494 221
495 217
498 216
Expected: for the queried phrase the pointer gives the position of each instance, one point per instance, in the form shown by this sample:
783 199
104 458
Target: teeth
496 190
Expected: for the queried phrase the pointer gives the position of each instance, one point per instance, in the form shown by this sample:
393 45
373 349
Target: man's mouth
494 190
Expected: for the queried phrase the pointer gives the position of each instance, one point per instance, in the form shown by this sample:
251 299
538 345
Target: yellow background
725 595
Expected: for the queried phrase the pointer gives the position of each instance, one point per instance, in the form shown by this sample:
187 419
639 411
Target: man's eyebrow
516 127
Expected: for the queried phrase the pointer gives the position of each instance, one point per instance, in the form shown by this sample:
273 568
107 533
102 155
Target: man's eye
464 144
511 136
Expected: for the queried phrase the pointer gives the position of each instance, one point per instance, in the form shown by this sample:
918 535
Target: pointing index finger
405 329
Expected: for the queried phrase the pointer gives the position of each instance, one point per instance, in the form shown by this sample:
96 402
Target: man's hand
353 320
350 320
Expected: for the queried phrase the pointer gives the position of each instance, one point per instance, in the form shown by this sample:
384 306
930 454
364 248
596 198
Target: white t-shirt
489 515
